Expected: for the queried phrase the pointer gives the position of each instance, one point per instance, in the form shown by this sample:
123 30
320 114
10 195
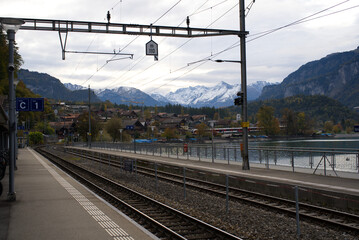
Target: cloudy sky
322 27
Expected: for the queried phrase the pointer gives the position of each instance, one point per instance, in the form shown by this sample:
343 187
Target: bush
36 138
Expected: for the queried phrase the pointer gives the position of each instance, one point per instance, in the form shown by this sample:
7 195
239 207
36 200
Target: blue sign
356 128
37 104
30 104
22 104
130 127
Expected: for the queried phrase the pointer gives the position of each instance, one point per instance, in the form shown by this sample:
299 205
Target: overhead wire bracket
63 45
64 51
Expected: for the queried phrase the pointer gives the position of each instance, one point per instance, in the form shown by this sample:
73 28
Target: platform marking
100 217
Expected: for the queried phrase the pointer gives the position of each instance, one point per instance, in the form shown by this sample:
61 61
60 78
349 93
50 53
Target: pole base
11 197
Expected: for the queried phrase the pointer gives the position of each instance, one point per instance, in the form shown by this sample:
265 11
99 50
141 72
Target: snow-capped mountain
200 96
254 90
221 95
126 95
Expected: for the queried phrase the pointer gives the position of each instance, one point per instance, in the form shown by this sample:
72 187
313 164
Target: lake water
336 143
318 153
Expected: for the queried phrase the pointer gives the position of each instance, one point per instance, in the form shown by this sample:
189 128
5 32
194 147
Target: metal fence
324 159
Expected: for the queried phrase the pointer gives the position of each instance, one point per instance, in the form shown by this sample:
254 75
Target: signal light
239 101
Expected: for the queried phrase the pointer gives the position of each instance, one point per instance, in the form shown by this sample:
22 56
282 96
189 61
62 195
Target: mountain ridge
335 75
51 87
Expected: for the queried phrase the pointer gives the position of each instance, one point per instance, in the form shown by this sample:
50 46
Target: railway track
163 221
321 215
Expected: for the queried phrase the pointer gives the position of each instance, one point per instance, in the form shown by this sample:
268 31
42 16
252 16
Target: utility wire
143 57
99 69
302 20
78 64
186 42
210 8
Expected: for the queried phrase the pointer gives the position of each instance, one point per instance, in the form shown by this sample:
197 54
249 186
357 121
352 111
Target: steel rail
307 211
209 230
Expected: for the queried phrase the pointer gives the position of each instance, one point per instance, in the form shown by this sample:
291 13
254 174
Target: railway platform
341 192
51 205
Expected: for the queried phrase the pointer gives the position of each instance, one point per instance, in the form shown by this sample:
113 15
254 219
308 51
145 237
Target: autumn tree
337 128
170 133
83 126
305 124
45 128
147 114
202 130
328 126
4 62
113 127
216 116
289 120
267 121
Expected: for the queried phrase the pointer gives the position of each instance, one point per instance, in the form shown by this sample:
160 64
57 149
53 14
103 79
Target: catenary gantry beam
120 28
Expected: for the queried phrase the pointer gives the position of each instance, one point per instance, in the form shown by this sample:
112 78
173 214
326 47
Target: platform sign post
30 104
36 104
152 49
22 104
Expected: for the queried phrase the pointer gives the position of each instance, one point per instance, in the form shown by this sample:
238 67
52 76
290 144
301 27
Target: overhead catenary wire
99 69
302 20
143 57
93 39
312 17
187 41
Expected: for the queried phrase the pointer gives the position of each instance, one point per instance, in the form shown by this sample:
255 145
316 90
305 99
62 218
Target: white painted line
112 228
272 185
250 181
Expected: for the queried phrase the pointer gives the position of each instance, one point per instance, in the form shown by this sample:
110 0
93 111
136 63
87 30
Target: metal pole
297 210
11 194
184 183
292 160
89 135
245 123
156 177
212 144
227 193
325 165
